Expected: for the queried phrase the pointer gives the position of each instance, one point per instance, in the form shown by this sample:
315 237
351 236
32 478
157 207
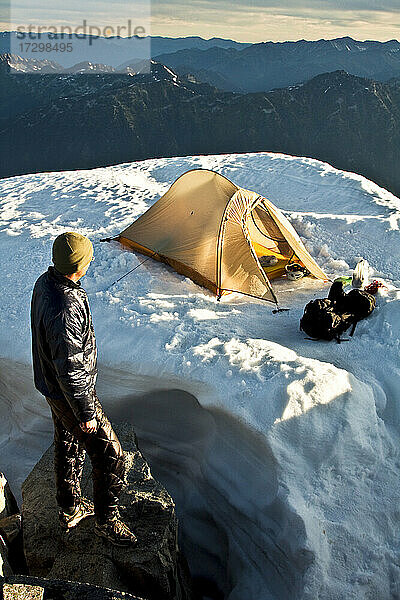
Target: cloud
75 11
259 20
290 7
337 11
279 20
256 25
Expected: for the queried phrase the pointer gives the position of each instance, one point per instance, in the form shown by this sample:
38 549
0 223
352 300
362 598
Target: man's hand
89 426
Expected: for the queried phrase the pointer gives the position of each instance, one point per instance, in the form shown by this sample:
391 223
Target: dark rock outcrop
154 569
350 122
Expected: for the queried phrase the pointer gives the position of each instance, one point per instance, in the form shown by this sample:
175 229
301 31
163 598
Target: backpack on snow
320 320
358 302
329 318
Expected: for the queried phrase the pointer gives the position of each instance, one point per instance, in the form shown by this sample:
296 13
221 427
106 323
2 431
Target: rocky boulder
154 569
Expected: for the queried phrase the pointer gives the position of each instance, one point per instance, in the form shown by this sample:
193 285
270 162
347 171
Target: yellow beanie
71 252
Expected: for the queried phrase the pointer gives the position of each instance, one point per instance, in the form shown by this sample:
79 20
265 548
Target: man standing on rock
64 363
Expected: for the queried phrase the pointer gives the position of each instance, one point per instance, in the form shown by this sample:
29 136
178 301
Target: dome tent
214 232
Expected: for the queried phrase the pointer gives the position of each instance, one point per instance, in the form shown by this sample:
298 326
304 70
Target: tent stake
278 310
109 239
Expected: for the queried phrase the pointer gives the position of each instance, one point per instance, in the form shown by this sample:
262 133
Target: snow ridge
282 453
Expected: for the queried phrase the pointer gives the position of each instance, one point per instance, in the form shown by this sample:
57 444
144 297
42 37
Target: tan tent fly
216 233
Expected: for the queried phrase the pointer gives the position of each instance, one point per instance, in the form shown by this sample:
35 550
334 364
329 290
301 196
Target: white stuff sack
360 274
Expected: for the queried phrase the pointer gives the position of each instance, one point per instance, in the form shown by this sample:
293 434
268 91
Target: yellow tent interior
214 232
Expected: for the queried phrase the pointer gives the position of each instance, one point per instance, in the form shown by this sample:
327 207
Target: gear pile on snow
329 318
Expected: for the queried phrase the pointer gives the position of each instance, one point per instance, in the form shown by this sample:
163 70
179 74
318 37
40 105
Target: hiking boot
115 531
84 509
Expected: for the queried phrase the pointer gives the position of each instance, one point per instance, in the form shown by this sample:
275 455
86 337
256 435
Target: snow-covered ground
283 454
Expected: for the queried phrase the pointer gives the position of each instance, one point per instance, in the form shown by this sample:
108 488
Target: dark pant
105 454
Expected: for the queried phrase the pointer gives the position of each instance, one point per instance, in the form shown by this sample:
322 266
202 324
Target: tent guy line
131 270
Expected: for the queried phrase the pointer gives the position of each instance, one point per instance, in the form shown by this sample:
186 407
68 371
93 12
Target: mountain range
111 51
57 122
269 65
225 64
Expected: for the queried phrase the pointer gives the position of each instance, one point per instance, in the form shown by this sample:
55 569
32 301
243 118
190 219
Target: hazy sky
259 20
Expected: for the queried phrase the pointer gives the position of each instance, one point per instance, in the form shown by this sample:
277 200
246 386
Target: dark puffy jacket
63 343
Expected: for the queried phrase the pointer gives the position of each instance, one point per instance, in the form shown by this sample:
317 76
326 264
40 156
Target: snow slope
282 453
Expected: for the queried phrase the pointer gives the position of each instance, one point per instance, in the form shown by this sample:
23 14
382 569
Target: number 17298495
27 47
